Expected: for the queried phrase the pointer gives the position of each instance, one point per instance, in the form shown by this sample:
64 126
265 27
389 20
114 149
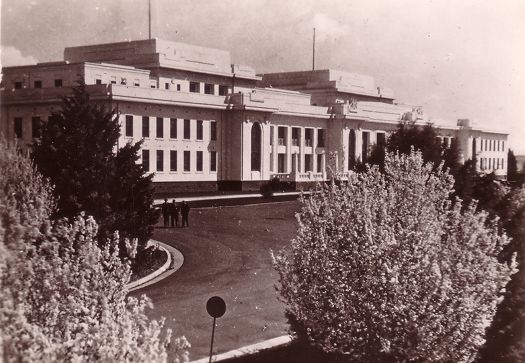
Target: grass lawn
227 253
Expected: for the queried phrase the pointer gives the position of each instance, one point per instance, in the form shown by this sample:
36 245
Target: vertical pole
313 53
149 19
212 335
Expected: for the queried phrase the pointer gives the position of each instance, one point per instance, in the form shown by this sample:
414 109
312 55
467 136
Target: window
187 161
145 126
199 160
35 127
160 160
129 125
153 83
113 80
173 160
98 81
18 127
445 142
166 85
145 159
178 87
18 85
213 160
281 135
199 129
136 83
38 84
271 135
160 127
366 144
209 89
281 160
503 145
195 87
320 138
381 140
308 162
308 137
187 130
223 90
295 136
58 82
213 130
173 128
319 163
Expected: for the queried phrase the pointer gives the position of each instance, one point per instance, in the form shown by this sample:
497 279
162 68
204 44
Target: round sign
216 307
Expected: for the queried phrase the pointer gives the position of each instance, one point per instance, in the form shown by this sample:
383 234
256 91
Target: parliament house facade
209 124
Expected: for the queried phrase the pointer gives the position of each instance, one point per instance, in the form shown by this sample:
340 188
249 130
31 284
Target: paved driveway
227 253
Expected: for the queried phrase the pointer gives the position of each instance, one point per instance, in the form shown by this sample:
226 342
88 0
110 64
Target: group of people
171 212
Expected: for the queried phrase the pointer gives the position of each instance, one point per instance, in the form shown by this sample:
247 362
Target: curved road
226 253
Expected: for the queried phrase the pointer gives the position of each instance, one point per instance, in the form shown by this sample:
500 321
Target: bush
387 268
62 297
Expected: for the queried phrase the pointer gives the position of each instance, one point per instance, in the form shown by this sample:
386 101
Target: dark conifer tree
78 152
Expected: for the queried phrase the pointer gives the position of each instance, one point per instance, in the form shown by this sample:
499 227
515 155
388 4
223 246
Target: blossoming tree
62 297
387 268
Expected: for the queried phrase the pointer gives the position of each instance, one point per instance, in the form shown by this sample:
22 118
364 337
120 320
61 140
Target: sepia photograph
262 181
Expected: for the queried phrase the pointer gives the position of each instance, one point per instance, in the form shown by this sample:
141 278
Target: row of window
36 125
129 132
296 131
37 83
187 167
492 145
491 163
296 163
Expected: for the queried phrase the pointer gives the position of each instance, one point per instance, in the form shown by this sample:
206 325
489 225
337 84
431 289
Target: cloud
328 28
11 56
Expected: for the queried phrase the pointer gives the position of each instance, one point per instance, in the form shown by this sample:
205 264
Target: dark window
38 84
271 136
35 127
18 127
173 160
209 89
381 141
187 133
351 149
160 160
213 130
223 90
281 135
129 125
145 159
320 138
145 126
187 165
199 129
308 137
173 128
153 84
213 160
319 163
18 85
366 144
136 83
199 160
178 87
256 147
295 136
194 87
160 127
166 85
308 162
98 81
58 83
281 159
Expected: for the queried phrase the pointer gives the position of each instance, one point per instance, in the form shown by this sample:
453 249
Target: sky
457 59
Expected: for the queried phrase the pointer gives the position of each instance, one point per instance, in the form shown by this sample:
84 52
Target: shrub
387 268
62 297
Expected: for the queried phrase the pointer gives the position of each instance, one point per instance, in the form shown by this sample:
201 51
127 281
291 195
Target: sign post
216 307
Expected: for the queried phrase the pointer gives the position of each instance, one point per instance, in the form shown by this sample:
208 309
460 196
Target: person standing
185 211
165 212
174 214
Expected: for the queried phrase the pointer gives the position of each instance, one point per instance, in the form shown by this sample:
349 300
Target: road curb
248 349
143 280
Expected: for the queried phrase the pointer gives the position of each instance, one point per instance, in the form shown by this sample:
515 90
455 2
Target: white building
210 125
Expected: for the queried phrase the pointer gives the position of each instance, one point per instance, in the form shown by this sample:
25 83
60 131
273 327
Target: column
289 149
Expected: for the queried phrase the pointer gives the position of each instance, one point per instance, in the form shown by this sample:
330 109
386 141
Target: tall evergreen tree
77 153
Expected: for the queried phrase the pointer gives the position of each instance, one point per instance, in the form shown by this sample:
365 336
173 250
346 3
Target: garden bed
147 261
